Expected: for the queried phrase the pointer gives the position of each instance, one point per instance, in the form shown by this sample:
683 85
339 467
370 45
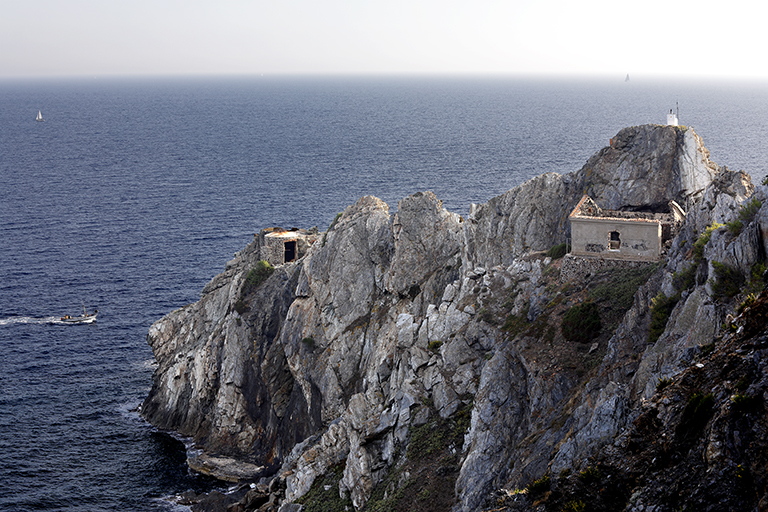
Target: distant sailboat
627 79
39 116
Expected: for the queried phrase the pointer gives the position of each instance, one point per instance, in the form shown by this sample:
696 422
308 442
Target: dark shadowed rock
340 363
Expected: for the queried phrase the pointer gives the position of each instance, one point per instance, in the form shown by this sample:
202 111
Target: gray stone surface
335 356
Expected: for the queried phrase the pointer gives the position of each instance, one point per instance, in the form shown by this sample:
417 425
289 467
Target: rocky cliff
425 361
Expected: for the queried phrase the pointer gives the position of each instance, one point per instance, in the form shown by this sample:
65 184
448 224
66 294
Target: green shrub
663 383
734 227
703 240
707 349
581 323
309 342
426 440
558 251
727 281
435 345
696 414
389 494
661 309
333 224
620 290
575 506
685 278
756 283
515 324
746 303
747 212
324 496
590 475
335 221
538 487
746 403
257 275
253 280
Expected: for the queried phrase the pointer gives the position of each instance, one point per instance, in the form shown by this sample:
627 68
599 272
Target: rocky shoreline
410 354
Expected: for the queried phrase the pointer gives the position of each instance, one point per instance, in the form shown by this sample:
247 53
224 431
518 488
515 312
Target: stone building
279 246
622 235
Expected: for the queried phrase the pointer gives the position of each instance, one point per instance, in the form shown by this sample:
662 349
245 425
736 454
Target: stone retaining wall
579 267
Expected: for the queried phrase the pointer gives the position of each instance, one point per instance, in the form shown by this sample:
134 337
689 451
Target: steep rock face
221 379
631 419
644 167
694 321
393 324
698 442
647 166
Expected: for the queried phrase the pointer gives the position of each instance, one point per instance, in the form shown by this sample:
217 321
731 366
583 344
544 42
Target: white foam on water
149 364
13 320
171 504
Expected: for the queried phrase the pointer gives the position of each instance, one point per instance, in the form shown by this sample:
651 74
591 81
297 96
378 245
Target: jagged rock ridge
393 323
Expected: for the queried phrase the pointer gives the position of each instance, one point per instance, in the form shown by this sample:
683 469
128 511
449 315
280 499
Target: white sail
39 116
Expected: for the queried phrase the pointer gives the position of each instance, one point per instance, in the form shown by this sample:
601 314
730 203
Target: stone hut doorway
290 251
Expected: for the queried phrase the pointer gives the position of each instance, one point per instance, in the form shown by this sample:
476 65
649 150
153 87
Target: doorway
290 251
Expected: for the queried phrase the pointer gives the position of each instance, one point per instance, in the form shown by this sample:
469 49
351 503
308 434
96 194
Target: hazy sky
722 38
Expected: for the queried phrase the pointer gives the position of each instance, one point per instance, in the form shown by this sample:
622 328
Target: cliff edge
425 361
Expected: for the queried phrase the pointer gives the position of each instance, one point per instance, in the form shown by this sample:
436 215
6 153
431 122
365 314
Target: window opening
615 241
290 251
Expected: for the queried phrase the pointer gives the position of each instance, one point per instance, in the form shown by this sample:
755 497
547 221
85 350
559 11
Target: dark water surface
135 192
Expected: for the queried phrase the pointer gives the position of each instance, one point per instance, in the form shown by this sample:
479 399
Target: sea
135 191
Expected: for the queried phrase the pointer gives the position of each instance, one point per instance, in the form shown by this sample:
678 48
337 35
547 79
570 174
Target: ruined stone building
279 246
622 235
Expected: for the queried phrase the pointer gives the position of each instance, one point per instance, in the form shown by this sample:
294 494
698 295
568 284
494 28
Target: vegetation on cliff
423 361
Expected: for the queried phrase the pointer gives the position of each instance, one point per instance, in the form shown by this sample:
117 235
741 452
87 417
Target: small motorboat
85 318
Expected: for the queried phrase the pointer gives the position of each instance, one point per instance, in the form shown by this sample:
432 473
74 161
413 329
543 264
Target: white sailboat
39 116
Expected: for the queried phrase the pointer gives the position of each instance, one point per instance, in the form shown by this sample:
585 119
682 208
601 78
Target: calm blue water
135 192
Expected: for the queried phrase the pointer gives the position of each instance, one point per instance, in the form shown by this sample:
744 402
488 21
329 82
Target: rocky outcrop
222 380
644 168
423 347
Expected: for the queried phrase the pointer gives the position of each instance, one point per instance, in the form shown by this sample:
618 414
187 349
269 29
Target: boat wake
13 320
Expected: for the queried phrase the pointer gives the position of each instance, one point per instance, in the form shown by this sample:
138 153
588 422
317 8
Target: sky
724 39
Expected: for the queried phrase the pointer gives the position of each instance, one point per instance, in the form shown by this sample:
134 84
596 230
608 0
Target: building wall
272 245
591 236
273 250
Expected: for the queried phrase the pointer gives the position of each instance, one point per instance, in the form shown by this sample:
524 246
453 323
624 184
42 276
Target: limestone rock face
644 167
500 420
425 237
394 325
647 165
221 378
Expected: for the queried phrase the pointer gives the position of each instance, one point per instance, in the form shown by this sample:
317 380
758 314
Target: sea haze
133 193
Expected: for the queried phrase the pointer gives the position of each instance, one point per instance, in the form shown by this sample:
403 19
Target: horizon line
638 77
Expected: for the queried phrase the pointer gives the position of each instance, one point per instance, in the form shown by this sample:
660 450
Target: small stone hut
622 235
280 246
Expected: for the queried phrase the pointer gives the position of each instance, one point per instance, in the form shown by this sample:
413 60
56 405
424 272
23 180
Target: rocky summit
424 361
